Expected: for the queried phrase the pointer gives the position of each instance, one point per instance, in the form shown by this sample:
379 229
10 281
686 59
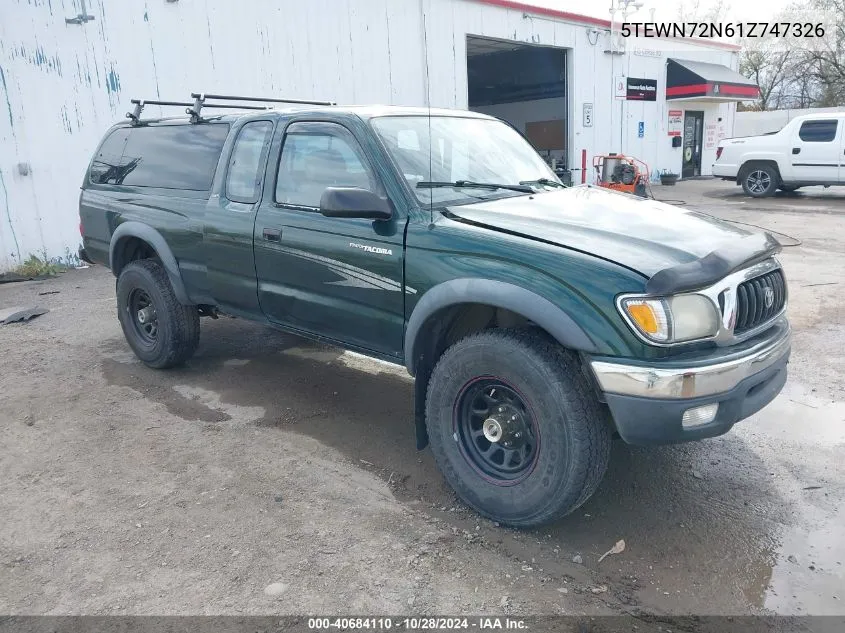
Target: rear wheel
161 331
515 428
759 181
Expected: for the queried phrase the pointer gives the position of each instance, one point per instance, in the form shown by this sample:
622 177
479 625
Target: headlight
693 317
672 319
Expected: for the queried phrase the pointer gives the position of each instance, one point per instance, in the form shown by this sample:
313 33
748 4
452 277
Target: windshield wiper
469 184
543 181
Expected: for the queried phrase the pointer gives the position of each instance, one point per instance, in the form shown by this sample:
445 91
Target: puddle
809 577
806 419
120 354
716 543
236 414
321 355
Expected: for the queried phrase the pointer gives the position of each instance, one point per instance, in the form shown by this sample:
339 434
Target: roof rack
199 102
195 107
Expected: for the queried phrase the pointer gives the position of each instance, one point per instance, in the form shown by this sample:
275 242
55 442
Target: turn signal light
644 316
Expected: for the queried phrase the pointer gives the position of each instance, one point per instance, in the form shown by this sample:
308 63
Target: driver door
339 278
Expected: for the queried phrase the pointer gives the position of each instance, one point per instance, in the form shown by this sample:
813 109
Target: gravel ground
275 476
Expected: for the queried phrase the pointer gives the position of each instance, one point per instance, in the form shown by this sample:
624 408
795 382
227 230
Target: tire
560 413
759 181
168 333
789 188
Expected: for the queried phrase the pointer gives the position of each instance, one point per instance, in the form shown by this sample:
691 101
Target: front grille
751 300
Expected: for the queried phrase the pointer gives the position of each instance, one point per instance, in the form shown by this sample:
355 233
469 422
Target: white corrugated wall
754 123
62 85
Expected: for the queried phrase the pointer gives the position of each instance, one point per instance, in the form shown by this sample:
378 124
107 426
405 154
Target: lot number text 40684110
417 624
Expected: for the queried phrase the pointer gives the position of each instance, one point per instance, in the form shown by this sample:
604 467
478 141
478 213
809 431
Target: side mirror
352 202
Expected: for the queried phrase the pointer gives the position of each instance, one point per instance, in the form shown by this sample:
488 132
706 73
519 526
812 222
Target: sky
667 10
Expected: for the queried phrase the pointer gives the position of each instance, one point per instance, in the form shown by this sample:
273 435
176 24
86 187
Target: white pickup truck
809 150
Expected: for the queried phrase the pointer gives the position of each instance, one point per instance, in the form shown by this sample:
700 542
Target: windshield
461 150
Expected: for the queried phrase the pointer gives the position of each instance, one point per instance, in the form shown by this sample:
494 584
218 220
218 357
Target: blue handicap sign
641 129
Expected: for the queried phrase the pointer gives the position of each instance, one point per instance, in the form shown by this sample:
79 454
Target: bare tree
692 11
800 72
802 88
770 69
804 92
826 56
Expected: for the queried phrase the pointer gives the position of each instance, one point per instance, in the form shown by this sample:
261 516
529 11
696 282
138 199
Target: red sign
676 122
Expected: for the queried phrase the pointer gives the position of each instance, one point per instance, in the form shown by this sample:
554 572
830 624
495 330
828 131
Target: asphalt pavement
274 475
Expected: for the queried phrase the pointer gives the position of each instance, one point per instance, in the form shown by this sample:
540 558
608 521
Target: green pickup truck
539 321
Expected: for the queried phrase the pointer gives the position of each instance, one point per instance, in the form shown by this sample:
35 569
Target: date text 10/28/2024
416 624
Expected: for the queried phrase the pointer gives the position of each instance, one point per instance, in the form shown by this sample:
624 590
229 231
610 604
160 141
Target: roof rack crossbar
233 106
198 95
151 102
194 109
140 104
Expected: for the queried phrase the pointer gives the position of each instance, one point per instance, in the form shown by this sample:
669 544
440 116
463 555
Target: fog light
699 415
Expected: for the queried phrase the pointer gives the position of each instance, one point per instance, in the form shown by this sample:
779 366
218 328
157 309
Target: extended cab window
174 156
243 178
106 168
316 156
823 131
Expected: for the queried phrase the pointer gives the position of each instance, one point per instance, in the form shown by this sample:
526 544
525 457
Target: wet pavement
750 522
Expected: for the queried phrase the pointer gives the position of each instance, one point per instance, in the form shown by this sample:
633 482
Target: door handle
796 150
273 235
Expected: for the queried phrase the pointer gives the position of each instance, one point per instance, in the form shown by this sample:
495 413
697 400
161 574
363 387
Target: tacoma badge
378 250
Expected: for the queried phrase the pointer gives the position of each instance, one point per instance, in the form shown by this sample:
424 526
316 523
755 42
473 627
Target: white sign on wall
647 52
588 115
620 87
710 139
676 122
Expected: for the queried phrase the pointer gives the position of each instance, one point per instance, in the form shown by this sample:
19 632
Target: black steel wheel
496 430
161 331
515 428
142 314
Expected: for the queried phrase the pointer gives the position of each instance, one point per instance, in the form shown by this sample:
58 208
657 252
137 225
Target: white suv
809 150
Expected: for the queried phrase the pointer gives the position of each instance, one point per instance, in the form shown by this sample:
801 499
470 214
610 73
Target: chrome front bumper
692 381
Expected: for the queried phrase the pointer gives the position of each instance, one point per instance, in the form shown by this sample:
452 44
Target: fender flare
765 158
153 238
500 294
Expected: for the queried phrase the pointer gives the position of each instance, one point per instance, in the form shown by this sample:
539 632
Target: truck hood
643 235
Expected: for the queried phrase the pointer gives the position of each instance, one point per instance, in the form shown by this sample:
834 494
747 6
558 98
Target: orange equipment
621 173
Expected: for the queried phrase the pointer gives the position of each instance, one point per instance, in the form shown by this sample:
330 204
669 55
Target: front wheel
515 428
161 331
759 181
